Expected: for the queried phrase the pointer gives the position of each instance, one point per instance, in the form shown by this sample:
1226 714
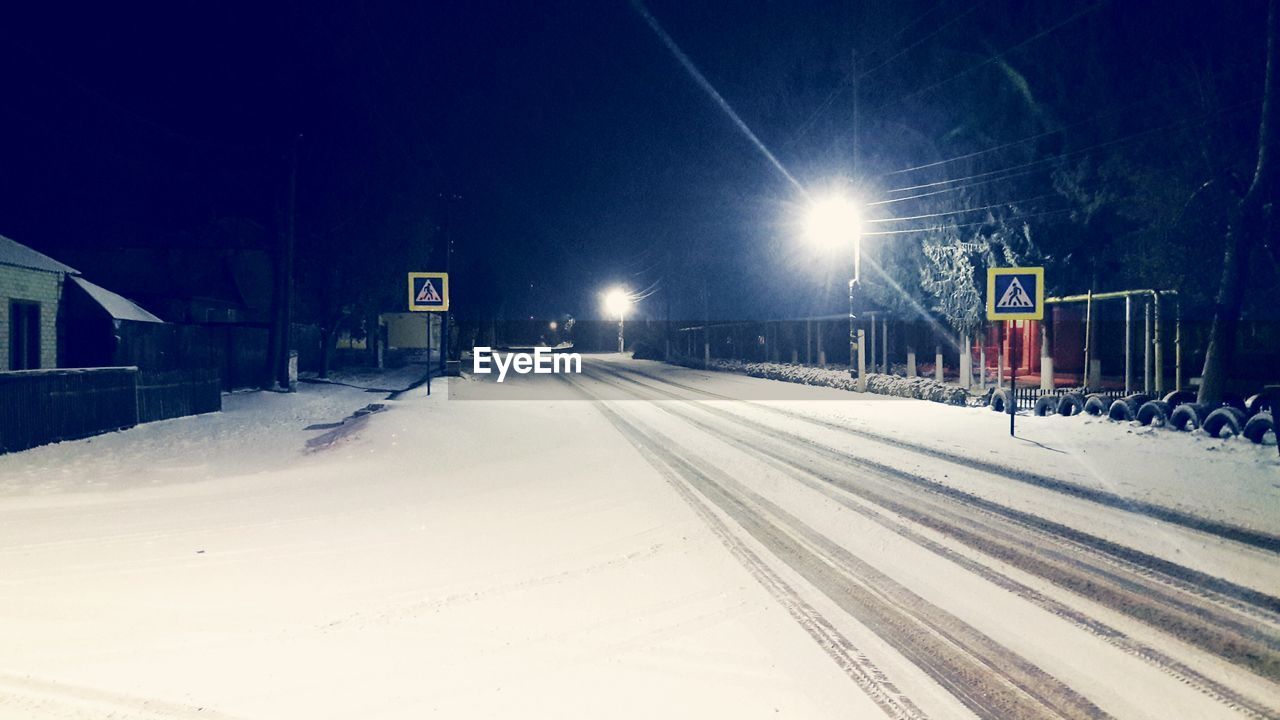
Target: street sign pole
1013 380
429 293
1014 294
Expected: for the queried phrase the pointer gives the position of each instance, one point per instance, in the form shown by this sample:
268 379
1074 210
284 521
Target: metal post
808 342
1146 347
1088 336
1157 355
428 355
1128 344
621 345
1046 356
1013 383
1177 345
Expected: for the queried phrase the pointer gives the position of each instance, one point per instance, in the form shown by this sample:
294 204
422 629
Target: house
51 317
30 296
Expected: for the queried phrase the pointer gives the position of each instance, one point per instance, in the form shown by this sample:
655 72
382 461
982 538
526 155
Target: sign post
429 292
1014 294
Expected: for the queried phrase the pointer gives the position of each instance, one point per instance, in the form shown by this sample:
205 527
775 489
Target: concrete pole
937 363
966 362
808 342
873 344
1000 361
884 352
982 364
862 360
822 354
911 362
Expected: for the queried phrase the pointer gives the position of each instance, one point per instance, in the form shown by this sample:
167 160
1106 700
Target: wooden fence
45 406
177 393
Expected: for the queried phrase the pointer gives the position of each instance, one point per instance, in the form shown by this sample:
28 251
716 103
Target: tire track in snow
827 484
855 664
1246 536
986 677
1246 600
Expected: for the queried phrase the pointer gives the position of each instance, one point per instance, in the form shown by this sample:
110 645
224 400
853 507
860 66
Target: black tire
1000 400
1096 405
1226 419
1122 410
1071 404
1046 405
1154 412
1188 416
1179 397
1262 402
1138 399
1259 425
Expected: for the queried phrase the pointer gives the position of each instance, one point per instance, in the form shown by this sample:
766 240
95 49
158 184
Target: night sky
564 148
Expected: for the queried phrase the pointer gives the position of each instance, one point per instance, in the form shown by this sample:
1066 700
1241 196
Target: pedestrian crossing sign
1015 293
428 291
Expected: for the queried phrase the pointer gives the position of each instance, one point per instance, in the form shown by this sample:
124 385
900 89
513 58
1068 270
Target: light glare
832 222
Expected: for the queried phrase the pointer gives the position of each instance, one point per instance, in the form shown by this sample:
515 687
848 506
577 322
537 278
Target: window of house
24 335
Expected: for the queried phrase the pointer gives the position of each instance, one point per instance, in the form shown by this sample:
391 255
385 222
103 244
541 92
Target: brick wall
37 286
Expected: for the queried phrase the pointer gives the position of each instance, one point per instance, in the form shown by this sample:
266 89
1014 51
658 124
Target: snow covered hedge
920 388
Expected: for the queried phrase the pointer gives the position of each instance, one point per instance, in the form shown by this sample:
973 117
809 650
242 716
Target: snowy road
637 541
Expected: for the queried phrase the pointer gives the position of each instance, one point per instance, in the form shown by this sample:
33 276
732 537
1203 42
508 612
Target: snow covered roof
19 255
117 306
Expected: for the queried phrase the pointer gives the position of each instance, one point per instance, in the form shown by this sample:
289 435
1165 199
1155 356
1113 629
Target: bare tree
1246 228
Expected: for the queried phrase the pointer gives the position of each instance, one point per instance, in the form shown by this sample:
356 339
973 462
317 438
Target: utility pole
279 344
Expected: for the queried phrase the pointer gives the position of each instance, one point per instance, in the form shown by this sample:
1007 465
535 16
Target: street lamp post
833 222
616 302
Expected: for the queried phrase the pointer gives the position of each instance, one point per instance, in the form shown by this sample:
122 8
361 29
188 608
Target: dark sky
561 142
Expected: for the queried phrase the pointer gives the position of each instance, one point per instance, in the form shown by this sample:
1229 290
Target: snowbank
920 388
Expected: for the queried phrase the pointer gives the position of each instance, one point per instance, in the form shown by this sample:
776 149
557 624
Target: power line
951 189
933 228
1126 138
1072 126
966 210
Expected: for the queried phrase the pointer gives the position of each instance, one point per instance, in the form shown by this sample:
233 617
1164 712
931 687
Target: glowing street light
616 302
834 222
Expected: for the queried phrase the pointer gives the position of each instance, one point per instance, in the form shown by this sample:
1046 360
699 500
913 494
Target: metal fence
1027 396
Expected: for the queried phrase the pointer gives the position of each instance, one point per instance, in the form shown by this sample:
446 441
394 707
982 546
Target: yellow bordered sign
1015 293
428 292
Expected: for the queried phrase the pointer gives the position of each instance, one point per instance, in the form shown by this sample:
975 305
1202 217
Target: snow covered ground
664 552
1230 480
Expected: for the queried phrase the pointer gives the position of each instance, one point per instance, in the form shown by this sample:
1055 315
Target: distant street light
616 302
833 222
